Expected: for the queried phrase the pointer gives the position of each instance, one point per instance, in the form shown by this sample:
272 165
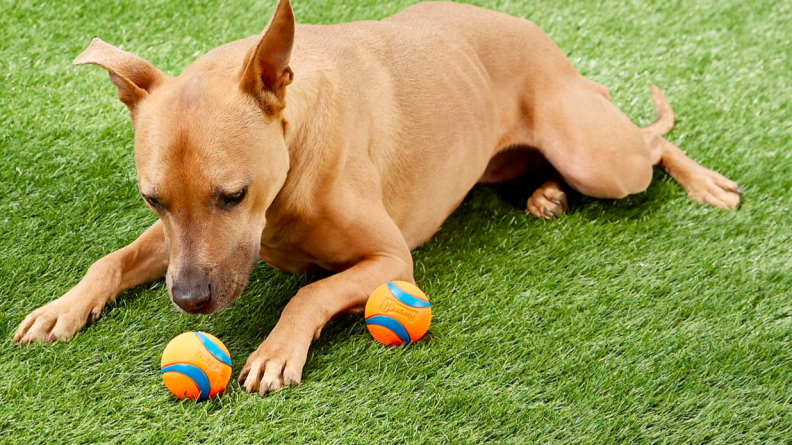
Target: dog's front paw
58 320
273 365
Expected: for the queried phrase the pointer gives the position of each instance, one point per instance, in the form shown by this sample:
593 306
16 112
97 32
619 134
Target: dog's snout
192 295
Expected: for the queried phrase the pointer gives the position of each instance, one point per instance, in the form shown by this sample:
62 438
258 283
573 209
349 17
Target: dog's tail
665 116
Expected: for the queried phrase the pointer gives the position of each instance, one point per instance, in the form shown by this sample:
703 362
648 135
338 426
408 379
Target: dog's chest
303 251
293 260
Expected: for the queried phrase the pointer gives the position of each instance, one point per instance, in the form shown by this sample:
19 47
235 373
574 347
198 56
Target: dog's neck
310 129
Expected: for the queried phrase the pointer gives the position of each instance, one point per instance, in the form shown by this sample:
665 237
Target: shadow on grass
516 193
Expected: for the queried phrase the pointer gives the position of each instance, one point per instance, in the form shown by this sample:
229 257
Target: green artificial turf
646 320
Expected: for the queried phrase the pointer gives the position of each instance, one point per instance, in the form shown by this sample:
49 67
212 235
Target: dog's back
435 79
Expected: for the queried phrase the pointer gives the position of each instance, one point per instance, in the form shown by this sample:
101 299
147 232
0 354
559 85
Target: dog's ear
134 77
266 71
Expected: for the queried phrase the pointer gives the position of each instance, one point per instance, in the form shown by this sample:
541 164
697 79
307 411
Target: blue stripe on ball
406 298
391 324
195 374
214 349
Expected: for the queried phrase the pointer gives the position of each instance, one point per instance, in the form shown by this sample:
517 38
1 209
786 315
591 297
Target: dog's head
210 157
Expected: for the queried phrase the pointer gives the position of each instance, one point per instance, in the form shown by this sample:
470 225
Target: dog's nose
192 295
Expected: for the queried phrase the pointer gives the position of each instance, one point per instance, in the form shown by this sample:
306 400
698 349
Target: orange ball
195 365
398 313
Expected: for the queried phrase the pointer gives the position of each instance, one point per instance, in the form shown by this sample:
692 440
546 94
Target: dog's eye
152 201
232 199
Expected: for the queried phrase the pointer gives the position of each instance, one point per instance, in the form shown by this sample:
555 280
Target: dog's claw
273 366
547 202
243 375
58 320
712 188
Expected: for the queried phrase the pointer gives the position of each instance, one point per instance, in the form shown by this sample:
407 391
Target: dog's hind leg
600 153
549 200
702 185
144 260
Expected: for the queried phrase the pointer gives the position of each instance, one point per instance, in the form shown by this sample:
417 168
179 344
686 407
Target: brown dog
345 147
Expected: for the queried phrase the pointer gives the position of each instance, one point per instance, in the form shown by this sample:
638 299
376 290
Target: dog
343 148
